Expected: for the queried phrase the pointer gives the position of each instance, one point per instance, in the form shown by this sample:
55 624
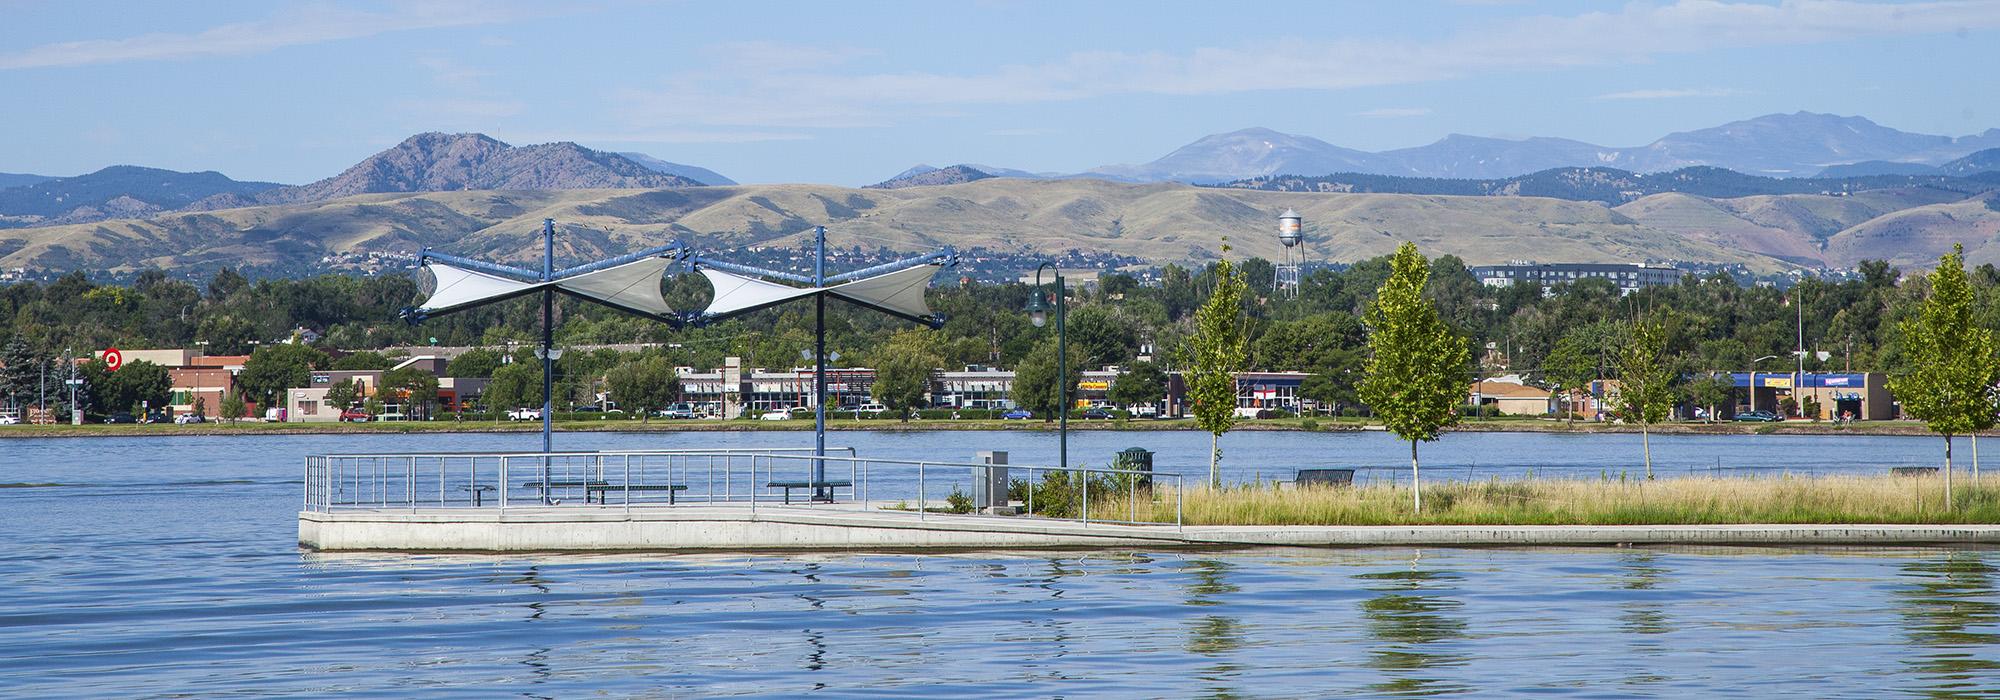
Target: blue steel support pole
548 343
819 365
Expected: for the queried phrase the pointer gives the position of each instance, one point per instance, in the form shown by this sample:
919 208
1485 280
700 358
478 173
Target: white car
775 415
1143 410
525 414
873 409
10 420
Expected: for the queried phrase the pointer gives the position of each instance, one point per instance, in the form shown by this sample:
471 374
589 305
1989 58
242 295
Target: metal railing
742 476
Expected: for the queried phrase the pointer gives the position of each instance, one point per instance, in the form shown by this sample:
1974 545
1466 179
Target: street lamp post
1753 379
1038 313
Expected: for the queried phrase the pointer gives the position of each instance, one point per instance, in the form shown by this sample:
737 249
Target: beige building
1511 396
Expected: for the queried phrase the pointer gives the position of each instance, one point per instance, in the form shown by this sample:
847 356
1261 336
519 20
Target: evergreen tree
1416 370
1950 363
1144 383
1215 353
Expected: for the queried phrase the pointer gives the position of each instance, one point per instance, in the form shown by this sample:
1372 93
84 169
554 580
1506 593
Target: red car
354 415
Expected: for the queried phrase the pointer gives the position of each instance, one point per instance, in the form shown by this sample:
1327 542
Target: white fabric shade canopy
900 293
633 286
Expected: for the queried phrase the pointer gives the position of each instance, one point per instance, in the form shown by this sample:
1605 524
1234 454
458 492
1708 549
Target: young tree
1143 383
903 371
201 406
1214 354
233 408
1570 366
417 388
515 385
1949 361
1709 392
1646 379
1416 370
343 394
643 384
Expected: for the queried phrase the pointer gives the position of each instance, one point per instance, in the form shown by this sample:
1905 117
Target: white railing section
742 476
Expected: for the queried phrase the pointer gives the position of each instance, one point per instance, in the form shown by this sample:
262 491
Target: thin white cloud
788 87
1394 112
655 136
311 24
1670 93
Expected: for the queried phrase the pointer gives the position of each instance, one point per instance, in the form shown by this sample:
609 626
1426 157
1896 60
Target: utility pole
819 366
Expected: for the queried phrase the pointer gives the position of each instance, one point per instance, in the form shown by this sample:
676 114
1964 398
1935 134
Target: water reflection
1214 636
1947 615
1413 625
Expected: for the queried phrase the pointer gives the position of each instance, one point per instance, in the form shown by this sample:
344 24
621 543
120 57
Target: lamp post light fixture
1753 379
1038 314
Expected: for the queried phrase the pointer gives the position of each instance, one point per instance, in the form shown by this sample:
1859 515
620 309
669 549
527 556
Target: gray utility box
989 484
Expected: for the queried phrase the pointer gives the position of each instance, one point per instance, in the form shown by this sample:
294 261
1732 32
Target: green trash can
1136 459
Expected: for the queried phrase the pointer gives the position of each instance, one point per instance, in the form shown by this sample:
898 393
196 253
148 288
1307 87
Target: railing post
1180 497
504 483
628 481
923 495
1031 490
410 481
1086 497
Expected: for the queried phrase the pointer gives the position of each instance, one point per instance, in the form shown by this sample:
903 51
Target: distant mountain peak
440 162
913 177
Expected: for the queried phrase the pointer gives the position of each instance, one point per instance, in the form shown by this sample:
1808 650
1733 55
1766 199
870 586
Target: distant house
1512 397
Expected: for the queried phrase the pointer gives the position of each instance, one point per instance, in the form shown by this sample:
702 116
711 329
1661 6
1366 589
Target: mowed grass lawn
1678 501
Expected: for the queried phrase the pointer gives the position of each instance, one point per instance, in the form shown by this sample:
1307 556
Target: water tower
1291 232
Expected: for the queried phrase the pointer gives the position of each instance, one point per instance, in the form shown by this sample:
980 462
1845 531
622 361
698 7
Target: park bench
1324 477
789 485
1914 471
601 489
564 484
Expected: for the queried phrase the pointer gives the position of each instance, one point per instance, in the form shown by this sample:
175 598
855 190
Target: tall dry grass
1680 501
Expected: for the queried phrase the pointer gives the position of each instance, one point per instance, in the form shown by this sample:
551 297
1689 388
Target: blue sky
851 93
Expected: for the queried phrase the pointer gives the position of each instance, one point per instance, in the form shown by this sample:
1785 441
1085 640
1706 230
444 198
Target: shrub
959 501
1350 412
1309 424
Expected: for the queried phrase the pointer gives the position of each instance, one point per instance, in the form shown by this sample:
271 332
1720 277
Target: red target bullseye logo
113 359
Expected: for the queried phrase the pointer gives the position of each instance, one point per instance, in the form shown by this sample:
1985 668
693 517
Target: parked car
592 408
525 414
392 417
1017 414
120 418
354 415
1095 413
1759 416
678 411
873 409
1144 410
10 420
190 419
776 415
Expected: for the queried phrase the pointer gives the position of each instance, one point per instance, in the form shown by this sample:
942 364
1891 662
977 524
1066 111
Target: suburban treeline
1716 323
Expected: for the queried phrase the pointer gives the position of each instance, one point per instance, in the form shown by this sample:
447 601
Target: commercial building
1860 395
733 391
1629 277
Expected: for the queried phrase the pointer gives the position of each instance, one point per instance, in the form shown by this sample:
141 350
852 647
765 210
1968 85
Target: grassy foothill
1679 501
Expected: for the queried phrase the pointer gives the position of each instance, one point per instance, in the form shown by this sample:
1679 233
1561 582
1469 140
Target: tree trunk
1646 447
1416 487
1214 455
1947 473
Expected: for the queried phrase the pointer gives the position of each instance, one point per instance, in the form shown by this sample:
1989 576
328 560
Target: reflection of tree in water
816 659
1641 615
537 661
1214 636
1948 611
1410 620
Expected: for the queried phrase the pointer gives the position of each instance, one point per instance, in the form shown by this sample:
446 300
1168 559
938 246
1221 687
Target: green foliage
201 406
959 501
1035 381
1572 364
515 385
1214 354
903 371
274 368
232 408
643 385
1950 363
343 394
414 388
1710 391
1646 380
1810 408
135 383
1142 383
477 362
1416 368
366 359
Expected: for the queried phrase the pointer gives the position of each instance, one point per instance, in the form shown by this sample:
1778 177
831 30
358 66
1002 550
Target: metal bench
789 485
1324 477
553 484
601 489
1914 471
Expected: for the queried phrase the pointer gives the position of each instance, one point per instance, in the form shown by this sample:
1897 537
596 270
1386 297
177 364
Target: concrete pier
825 527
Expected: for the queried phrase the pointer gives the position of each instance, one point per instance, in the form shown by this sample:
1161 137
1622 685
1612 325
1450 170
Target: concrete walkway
846 526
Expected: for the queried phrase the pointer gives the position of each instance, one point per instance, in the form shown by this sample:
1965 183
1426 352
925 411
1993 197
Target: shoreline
1326 425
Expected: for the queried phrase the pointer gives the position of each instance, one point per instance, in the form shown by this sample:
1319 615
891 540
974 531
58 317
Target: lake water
167 568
